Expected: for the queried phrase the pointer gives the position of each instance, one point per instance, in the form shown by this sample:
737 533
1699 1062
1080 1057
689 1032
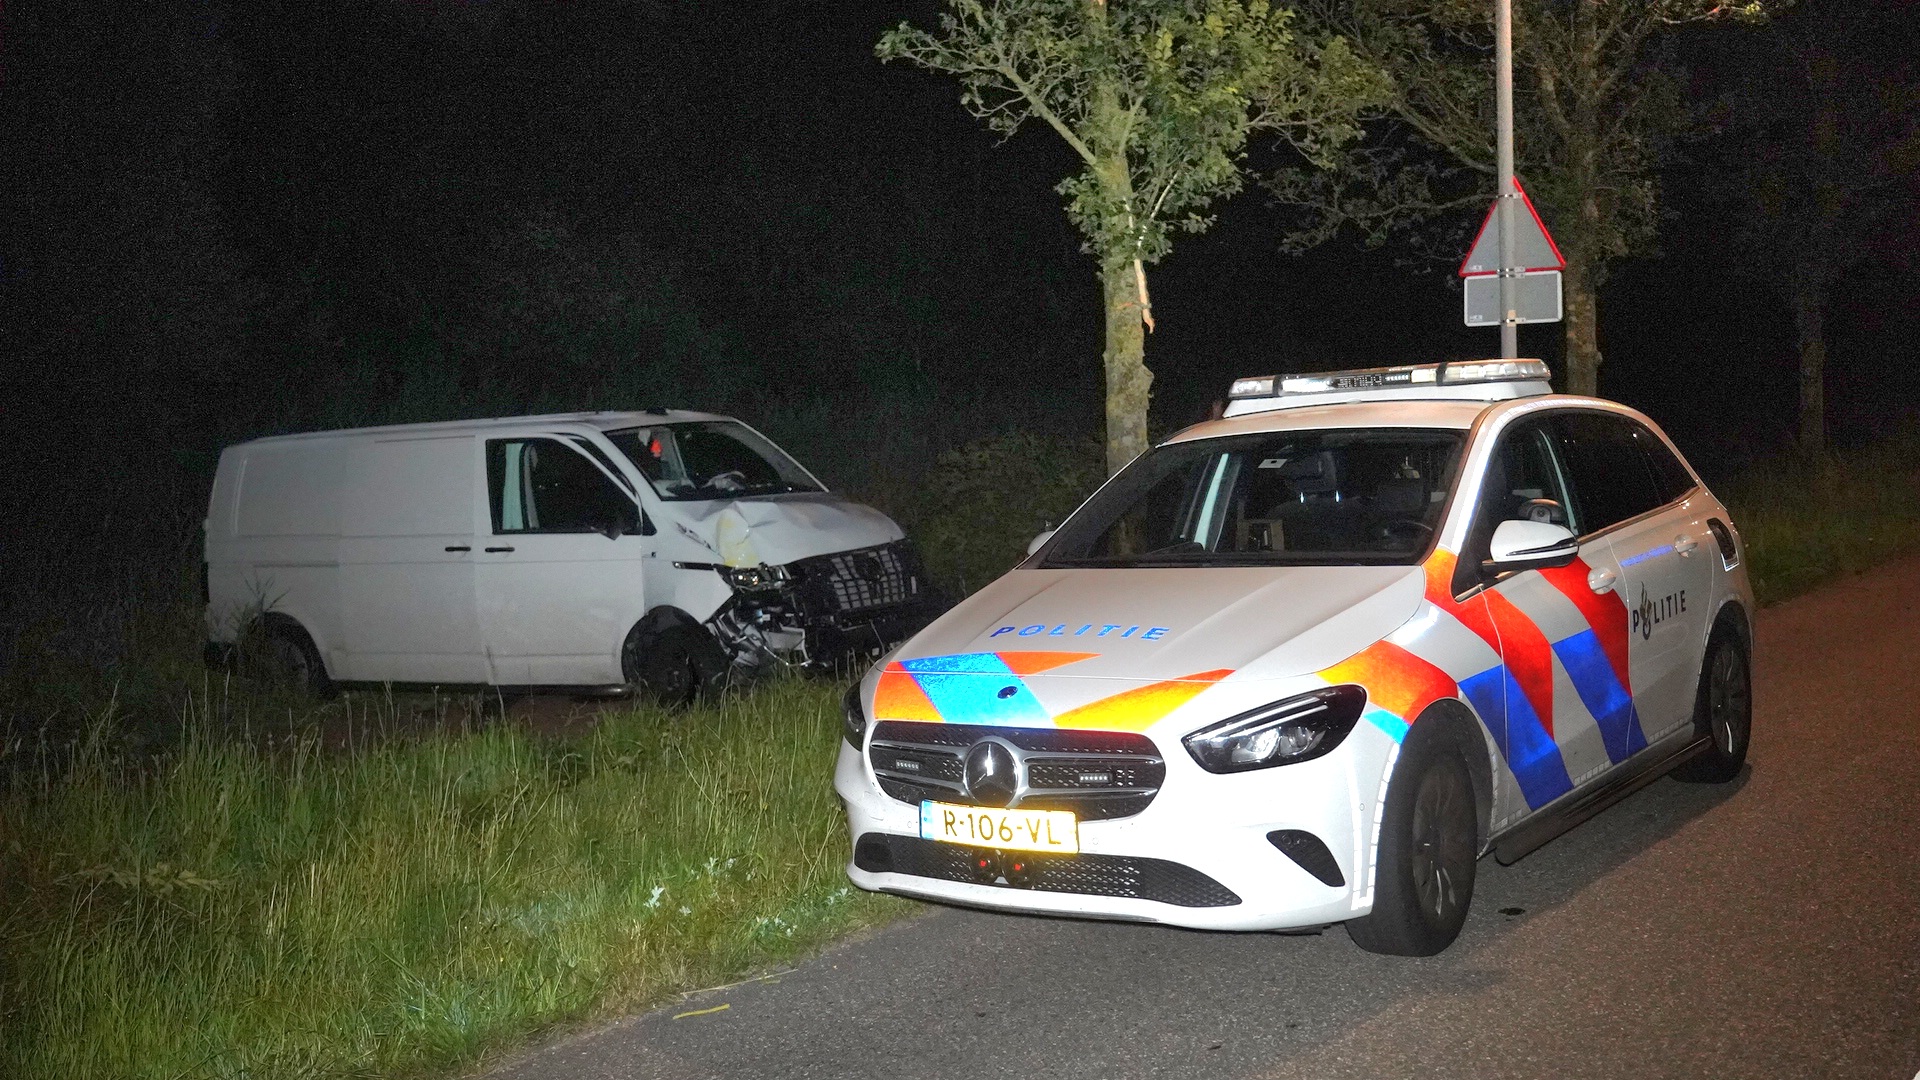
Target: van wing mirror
1530 545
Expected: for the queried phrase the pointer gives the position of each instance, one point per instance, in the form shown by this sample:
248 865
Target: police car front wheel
1428 840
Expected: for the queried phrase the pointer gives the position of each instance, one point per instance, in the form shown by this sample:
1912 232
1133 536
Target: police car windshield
1315 498
710 460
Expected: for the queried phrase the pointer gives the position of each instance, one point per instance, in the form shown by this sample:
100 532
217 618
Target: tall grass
233 909
200 880
1806 522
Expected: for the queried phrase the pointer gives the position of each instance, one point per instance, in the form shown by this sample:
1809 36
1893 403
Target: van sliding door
406 563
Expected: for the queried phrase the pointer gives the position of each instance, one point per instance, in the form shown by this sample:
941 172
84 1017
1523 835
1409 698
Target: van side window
543 485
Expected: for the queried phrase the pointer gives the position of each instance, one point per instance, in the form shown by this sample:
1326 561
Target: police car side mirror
1034 544
1530 545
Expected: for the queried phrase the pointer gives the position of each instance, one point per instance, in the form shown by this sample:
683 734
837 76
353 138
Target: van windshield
1315 498
713 459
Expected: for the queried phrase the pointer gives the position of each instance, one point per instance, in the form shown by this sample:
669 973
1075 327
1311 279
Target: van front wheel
662 663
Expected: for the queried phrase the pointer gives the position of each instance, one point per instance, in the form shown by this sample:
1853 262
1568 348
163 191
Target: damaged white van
1305 664
656 550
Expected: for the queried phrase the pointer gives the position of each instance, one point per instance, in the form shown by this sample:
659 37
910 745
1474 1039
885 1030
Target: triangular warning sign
1533 247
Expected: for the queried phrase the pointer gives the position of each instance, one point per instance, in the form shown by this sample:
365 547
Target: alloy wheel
1443 843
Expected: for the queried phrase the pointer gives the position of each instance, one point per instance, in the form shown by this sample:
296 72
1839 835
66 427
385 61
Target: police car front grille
1086 875
870 578
1099 775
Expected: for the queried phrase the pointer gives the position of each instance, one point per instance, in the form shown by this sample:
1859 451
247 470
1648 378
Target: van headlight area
821 612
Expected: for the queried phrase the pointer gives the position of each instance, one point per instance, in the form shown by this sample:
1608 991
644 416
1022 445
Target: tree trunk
1811 274
1809 324
1583 327
1128 380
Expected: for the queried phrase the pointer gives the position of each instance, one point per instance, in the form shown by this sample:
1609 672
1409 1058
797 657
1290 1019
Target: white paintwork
375 541
1277 629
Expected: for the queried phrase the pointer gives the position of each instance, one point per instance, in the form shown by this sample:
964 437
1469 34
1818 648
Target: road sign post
1503 147
1512 272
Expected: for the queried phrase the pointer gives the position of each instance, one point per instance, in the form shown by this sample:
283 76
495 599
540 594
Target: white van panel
406 565
291 490
411 487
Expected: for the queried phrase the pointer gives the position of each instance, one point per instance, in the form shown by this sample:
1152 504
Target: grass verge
202 887
1806 522
234 909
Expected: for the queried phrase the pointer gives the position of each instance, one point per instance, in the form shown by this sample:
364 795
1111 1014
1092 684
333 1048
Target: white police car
1306 663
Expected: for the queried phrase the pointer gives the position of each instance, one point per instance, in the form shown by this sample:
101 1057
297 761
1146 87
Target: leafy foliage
1595 106
1157 99
1169 90
986 500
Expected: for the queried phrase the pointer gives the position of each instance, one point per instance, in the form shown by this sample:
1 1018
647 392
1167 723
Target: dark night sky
211 210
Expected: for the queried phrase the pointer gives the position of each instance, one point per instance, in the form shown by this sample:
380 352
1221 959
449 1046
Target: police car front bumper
1200 855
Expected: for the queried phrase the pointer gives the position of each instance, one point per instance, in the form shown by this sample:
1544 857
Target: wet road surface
1765 928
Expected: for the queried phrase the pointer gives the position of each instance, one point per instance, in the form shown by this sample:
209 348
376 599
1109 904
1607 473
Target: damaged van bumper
825 612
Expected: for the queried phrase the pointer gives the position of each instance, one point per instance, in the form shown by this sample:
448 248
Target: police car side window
1607 463
1670 477
1524 481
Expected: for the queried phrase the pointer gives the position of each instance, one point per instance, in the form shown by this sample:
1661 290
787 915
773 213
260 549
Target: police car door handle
1685 544
1601 579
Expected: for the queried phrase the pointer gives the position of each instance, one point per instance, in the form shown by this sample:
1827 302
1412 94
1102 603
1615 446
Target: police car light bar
1385 378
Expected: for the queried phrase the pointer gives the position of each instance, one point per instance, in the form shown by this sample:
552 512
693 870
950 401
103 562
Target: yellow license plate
1013 830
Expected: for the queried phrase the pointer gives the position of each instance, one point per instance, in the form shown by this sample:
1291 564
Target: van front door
559 575
406 563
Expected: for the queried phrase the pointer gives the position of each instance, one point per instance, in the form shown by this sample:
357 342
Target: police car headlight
1299 728
853 716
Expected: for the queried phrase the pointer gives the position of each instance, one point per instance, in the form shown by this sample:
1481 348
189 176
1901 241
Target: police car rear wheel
1428 841
1723 711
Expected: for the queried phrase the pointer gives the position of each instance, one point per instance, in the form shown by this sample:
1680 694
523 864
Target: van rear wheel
284 656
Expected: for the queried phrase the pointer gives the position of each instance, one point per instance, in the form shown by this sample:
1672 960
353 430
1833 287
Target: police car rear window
1336 497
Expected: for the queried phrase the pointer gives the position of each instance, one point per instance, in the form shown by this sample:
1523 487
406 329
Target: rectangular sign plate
1536 298
1011 830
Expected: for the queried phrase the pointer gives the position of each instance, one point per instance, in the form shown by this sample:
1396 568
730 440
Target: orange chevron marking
1472 614
1141 707
898 697
1396 680
1033 663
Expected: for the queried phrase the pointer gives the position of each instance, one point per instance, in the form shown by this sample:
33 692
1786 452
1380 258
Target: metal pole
1503 105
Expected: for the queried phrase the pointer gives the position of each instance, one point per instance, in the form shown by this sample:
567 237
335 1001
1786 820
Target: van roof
604 421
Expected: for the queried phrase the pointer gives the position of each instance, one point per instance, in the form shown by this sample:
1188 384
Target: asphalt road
1765 928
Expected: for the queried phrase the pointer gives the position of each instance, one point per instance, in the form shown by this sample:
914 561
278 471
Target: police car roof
1414 413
